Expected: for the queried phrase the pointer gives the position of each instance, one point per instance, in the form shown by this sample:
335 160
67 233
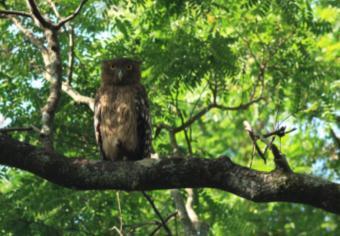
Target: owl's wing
143 123
97 120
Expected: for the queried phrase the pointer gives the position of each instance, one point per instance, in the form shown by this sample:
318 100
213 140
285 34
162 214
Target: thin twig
280 160
117 230
254 138
54 8
76 96
15 13
120 212
28 34
279 132
14 129
211 106
70 91
70 17
70 54
148 198
166 221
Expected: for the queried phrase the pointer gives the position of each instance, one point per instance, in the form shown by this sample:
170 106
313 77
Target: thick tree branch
150 174
183 214
188 225
37 16
70 53
53 74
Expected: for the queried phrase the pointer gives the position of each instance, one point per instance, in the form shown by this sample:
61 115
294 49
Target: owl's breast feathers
122 123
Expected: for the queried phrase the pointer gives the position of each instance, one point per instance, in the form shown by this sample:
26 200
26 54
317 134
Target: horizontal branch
14 13
19 129
76 96
204 110
10 14
170 173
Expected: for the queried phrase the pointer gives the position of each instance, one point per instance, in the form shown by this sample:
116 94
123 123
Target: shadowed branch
171 173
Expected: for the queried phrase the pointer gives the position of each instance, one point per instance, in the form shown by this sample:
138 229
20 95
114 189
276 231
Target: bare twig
280 160
70 54
28 34
159 215
158 224
254 138
138 225
117 230
203 111
279 132
13 129
250 50
14 13
260 79
77 97
54 8
166 221
70 91
70 17
120 212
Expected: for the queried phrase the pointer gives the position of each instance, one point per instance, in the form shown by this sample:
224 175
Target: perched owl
121 118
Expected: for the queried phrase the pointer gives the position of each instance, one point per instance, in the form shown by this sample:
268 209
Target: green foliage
188 49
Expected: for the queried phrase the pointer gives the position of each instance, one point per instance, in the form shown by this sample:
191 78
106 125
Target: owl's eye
113 67
129 67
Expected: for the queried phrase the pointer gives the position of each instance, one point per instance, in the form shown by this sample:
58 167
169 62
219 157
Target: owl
121 118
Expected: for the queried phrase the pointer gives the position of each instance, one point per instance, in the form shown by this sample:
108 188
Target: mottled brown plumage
122 121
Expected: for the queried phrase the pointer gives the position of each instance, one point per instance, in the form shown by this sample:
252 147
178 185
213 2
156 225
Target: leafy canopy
284 51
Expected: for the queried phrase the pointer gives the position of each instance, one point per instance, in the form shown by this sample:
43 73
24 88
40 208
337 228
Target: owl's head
120 71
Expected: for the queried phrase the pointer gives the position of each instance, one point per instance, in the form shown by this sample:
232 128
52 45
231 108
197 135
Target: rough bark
53 74
170 173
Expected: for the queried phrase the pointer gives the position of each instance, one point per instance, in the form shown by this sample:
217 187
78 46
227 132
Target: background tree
208 66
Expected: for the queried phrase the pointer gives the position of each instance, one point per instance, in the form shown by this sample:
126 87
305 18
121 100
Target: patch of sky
4 122
319 168
100 8
37 83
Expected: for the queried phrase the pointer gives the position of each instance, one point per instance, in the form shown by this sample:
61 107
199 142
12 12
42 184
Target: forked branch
72 16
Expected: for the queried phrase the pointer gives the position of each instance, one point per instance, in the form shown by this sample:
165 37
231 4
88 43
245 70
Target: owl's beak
119 74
